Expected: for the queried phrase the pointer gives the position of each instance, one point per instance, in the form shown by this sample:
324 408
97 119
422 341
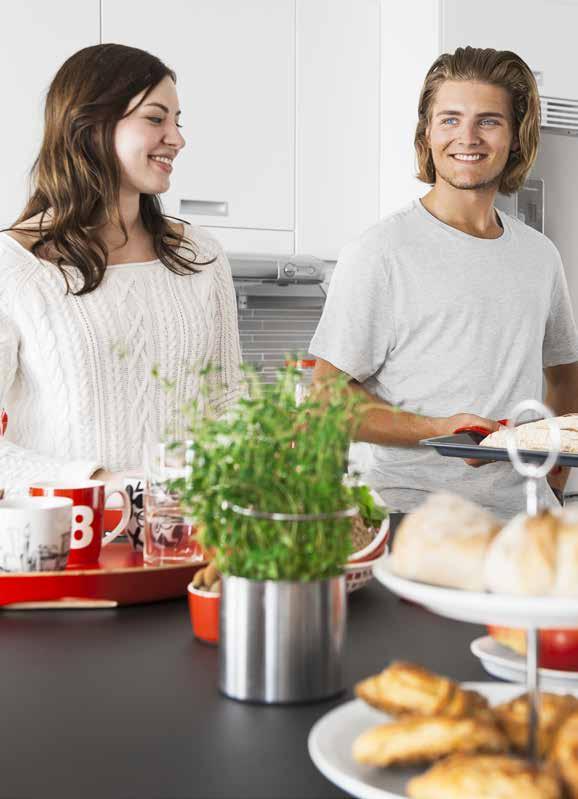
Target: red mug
89 499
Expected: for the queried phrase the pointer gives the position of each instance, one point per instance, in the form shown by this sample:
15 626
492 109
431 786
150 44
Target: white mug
34 533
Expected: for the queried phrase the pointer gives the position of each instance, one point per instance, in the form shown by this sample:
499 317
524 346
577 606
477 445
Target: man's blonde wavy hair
498 68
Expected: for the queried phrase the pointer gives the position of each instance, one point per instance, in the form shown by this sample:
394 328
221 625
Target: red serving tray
119 578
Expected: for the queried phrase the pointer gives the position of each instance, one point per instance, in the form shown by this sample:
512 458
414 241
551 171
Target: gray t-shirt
439 322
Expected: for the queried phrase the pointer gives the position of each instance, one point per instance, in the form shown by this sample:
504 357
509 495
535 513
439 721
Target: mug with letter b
89 499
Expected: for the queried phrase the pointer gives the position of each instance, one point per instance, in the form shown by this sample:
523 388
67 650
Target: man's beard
486 183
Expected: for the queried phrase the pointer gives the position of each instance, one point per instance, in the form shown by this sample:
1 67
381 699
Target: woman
98 288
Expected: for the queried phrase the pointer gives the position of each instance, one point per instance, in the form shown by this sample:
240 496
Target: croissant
564 754
407 689
485 777
418 740
554 709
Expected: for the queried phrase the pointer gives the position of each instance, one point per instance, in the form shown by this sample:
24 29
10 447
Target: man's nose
469 133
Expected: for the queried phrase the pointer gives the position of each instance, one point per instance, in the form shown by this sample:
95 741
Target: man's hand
448 424
558 478
452 423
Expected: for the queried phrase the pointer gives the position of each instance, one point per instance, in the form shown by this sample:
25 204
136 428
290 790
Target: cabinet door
542 32
337 179
37 38
235 65
410 42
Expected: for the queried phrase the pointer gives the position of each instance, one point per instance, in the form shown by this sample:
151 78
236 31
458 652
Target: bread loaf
536 435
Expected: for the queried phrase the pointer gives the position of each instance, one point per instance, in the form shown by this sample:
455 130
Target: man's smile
468 156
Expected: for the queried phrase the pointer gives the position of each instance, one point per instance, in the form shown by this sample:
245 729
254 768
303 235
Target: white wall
37 37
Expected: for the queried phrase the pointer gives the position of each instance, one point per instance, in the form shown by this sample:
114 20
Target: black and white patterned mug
134 487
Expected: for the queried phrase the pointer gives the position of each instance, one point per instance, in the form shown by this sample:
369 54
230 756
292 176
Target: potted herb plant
267 492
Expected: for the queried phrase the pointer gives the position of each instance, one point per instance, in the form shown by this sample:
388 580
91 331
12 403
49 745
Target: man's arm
383 424
561 397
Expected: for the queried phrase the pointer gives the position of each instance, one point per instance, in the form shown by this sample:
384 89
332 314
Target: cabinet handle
205 207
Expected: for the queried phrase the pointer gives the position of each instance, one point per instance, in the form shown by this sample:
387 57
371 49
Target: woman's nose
174 138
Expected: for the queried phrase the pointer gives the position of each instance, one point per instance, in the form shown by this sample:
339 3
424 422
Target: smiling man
447 309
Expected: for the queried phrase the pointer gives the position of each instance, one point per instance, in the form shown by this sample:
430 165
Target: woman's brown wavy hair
499 68
76 176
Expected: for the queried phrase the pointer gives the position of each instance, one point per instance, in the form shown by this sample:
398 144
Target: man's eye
449 121
489 122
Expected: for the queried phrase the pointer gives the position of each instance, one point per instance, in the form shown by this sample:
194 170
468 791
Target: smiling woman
98 286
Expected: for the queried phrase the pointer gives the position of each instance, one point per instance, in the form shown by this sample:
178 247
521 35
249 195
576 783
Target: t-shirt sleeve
560 339
356 329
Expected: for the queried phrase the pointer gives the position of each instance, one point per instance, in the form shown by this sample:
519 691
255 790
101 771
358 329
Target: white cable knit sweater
76 372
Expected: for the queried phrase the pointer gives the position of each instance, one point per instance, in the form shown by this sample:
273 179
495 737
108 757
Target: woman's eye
178 125
489 122
155 120
449 121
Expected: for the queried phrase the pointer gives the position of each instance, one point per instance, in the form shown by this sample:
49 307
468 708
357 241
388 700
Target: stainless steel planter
282 641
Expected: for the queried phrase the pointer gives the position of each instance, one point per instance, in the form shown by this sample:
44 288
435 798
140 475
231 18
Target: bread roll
566 580
535 555
444 542
522 557
536 435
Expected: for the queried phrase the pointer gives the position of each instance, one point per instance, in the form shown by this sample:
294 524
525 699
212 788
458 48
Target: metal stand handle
533 688
533 472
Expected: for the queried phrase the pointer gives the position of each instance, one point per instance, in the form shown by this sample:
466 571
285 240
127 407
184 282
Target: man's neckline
462 234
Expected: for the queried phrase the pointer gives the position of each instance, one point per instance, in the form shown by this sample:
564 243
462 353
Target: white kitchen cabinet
235 65
542 32
410 43
338 136
37 37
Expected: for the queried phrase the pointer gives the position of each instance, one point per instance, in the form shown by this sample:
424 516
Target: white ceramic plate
331 740
500 661
482 608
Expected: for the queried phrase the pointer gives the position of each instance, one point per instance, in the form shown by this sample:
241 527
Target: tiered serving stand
529 612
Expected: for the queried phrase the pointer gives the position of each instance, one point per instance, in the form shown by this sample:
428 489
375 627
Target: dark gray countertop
123 704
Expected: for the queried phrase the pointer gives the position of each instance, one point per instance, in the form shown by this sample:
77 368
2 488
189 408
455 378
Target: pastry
407 689
418 740
444 542
564 754
536 435
522 558
485 777
513 718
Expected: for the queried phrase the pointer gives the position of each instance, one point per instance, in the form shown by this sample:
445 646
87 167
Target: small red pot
204 609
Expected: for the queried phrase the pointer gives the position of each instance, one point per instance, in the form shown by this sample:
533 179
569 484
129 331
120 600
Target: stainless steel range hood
278 269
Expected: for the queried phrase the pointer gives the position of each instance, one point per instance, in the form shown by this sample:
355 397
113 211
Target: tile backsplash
273 327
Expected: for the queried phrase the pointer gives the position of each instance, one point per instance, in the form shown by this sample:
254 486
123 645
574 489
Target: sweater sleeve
19 466
225 381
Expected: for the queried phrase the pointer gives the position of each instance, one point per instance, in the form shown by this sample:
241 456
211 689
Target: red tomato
558 648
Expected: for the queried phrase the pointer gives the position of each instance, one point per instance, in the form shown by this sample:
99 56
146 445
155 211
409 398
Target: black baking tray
461 445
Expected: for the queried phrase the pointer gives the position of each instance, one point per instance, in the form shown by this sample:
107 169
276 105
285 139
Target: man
448 309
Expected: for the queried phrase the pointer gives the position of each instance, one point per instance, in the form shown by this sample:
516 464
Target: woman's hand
115 480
